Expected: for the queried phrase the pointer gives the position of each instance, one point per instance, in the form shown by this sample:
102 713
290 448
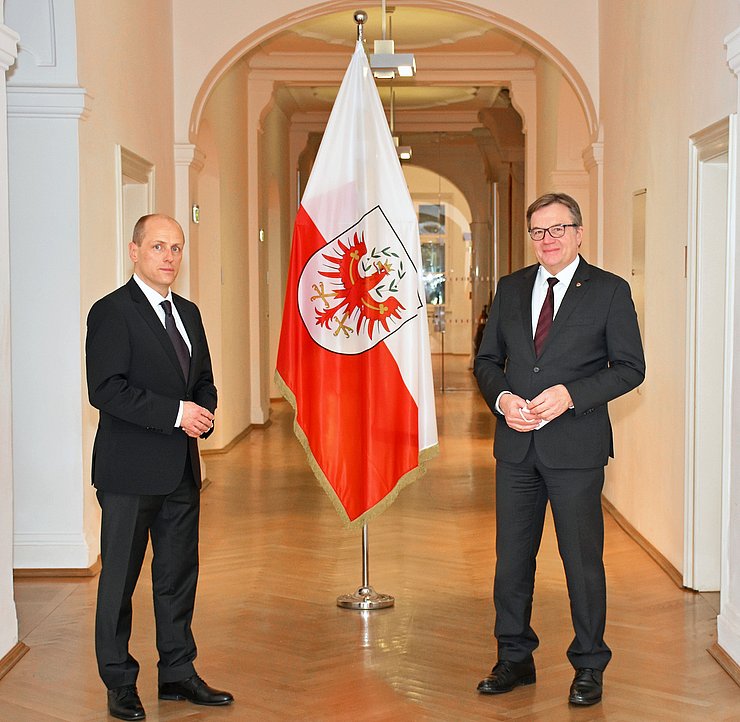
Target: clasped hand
196 420
523 415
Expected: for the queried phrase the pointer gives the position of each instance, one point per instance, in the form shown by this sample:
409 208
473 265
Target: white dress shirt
539 291
155 299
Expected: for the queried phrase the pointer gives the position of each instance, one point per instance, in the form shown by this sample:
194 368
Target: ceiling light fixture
385 62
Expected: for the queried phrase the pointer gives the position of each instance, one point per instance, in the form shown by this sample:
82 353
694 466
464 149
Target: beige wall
223 287
672 82
119 43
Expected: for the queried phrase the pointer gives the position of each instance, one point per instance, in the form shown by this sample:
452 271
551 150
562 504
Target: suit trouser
522 493
127 522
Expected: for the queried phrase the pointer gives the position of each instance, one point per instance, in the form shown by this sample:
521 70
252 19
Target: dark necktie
181 348
545 320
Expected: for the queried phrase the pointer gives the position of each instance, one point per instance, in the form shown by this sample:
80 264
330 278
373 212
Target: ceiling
444 44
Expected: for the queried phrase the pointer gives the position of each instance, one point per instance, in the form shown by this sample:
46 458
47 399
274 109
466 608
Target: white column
188 164
593 159
524 100
8 621
728 621
47 339
259 96
45 107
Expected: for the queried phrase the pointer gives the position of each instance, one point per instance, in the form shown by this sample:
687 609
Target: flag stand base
365 598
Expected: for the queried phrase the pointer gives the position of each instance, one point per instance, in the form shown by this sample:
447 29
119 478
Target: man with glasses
562 340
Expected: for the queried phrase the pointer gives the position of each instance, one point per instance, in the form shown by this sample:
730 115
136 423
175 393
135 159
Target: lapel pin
578 284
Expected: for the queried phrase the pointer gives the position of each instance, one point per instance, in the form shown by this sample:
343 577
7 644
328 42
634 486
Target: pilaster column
259 96
189 162
8 621
47 340
524 100
593 161
728 621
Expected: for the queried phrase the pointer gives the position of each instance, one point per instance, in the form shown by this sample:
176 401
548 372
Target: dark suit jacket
135 380
593 348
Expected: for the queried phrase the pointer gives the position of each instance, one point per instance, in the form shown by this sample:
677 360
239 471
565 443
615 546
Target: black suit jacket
593 348
136 381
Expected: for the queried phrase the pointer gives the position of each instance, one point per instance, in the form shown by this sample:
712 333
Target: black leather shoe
195 690
124 703
506 675
587 687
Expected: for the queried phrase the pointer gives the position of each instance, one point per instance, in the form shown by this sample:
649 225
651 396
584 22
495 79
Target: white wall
8 621
669 85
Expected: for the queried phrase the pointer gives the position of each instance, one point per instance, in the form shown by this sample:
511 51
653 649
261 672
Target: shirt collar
154 297
564 277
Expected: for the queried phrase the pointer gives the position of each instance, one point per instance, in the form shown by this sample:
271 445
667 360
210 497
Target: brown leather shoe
195 690
124 703
506 675
587 687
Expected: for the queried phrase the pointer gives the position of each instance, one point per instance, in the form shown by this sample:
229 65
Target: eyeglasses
558 231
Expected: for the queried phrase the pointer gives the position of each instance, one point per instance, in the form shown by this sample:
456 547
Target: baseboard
217 452
12 658
726 662
81 572
675 575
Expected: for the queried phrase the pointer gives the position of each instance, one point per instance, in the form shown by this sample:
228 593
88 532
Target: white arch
238 28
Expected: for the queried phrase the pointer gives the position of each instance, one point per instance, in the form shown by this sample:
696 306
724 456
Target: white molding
8 47
703 146
732 43
141 171
593 156
29 101
189 155
39 550
134 166
729 361
728 631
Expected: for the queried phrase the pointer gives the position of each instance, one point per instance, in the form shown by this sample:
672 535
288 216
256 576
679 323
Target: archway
276 117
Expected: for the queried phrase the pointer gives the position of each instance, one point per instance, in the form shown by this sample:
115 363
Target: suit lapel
577 291
149 315
525 299
190 323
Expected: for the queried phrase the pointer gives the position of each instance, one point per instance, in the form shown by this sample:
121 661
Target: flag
353 358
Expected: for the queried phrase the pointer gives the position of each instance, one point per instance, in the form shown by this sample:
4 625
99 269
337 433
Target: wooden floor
274 557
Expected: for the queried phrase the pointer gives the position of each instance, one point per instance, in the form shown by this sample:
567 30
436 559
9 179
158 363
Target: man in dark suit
149 374
562 340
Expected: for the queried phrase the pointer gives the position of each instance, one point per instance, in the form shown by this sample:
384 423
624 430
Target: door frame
705 146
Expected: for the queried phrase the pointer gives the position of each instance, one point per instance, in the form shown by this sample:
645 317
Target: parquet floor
274 557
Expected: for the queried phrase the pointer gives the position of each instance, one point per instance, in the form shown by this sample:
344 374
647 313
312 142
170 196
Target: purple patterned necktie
545 320
181 348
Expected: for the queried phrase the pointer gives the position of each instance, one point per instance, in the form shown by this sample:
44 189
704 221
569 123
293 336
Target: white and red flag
354 356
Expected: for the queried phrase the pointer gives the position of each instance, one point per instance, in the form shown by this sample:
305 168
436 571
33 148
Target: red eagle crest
354 291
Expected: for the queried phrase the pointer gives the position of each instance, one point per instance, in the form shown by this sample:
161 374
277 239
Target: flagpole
365 597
